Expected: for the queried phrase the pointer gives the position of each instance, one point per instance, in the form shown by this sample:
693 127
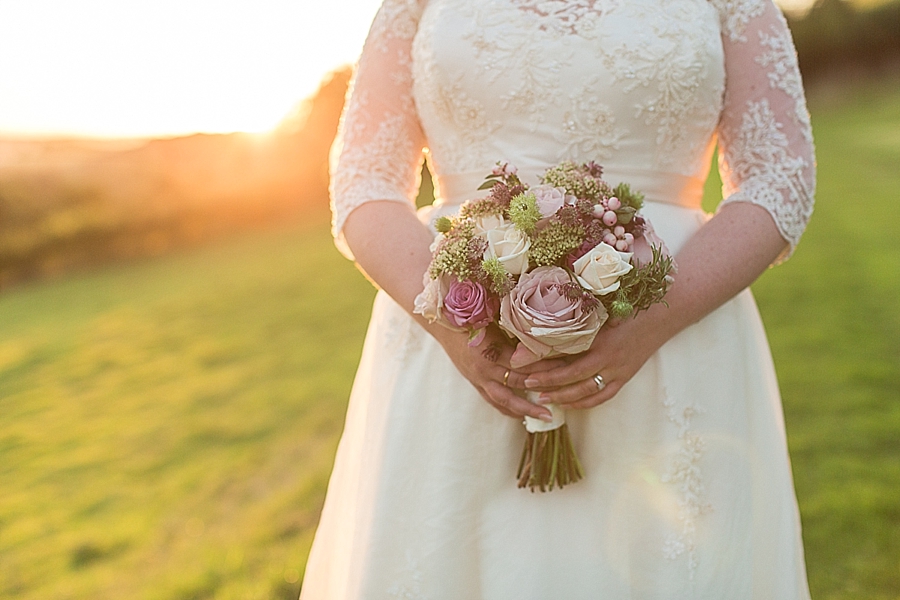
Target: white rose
487 223
600 269
510 246
430 300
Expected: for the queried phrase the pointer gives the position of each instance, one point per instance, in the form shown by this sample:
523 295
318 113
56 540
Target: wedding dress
687 490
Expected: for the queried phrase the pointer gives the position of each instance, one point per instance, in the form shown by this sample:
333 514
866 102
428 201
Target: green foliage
641 288
628 198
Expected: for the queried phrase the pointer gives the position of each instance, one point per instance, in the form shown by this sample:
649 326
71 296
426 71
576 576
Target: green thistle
554 242
443 225
501 282
524 213
620 308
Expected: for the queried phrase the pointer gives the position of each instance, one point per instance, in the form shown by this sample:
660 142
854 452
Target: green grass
167 427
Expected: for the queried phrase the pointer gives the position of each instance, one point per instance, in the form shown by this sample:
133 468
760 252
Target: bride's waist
666 188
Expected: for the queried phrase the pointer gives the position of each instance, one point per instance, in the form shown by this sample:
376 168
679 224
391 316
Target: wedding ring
506 378
599 381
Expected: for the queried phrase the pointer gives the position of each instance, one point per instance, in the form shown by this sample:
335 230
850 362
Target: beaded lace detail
784 75
761 170
685 474
766 156
737 14
578 17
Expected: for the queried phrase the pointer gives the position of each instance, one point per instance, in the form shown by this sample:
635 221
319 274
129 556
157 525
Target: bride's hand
617 353
487 367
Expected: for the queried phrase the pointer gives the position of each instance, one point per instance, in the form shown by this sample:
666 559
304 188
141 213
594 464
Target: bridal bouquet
548 264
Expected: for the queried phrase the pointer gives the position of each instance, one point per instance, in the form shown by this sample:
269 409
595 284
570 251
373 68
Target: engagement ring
599 381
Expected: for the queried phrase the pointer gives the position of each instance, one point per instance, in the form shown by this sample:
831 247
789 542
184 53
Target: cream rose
487 223
510 246
430 301
600 269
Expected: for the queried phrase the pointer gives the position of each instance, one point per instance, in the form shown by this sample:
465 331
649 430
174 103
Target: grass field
167 427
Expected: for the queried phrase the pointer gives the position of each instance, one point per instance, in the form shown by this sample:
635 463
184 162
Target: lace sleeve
378 150
766 151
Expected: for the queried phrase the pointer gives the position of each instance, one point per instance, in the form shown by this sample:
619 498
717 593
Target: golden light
129 68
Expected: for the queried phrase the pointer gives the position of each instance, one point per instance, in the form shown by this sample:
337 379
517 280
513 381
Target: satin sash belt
667 188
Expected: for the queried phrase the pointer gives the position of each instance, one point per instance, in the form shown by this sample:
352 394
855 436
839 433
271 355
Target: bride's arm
768 172
376 161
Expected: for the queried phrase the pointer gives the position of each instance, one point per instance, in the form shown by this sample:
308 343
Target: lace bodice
645 87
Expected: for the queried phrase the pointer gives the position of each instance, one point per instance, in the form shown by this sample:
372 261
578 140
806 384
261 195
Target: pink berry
613 203
619 231
610 218
598 210
621 245
628 238
609 239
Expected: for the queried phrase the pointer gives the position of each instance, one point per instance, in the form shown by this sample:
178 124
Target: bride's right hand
487 367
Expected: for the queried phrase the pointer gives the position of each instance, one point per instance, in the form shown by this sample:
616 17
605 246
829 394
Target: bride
687 490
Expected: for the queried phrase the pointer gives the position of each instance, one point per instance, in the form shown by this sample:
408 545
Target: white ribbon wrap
533 425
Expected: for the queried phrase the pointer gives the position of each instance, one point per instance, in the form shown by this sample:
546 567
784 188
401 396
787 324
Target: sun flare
108 68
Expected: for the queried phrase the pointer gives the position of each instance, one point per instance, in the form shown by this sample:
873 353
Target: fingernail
543 399
530 383
546 418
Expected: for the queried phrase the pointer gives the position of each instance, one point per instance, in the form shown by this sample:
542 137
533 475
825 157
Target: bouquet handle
548 458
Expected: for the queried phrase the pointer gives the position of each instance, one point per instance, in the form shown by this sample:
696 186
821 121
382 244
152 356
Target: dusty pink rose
544 319
549 199
467 304
643 253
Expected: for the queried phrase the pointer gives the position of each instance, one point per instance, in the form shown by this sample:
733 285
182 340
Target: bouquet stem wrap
548 458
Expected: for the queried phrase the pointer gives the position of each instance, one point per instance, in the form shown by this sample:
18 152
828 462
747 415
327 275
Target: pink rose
549 199
467 304
540 314
643 253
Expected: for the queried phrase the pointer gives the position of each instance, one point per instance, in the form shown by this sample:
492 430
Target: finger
517 378
543 365
501 409
607 394
570 394
579 370
523 356
504 397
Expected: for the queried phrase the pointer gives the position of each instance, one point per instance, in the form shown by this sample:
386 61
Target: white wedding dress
688 490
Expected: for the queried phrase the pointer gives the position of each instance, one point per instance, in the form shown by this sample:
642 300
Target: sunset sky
127 68
120 68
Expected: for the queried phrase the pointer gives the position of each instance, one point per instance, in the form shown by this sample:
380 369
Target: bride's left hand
617 353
